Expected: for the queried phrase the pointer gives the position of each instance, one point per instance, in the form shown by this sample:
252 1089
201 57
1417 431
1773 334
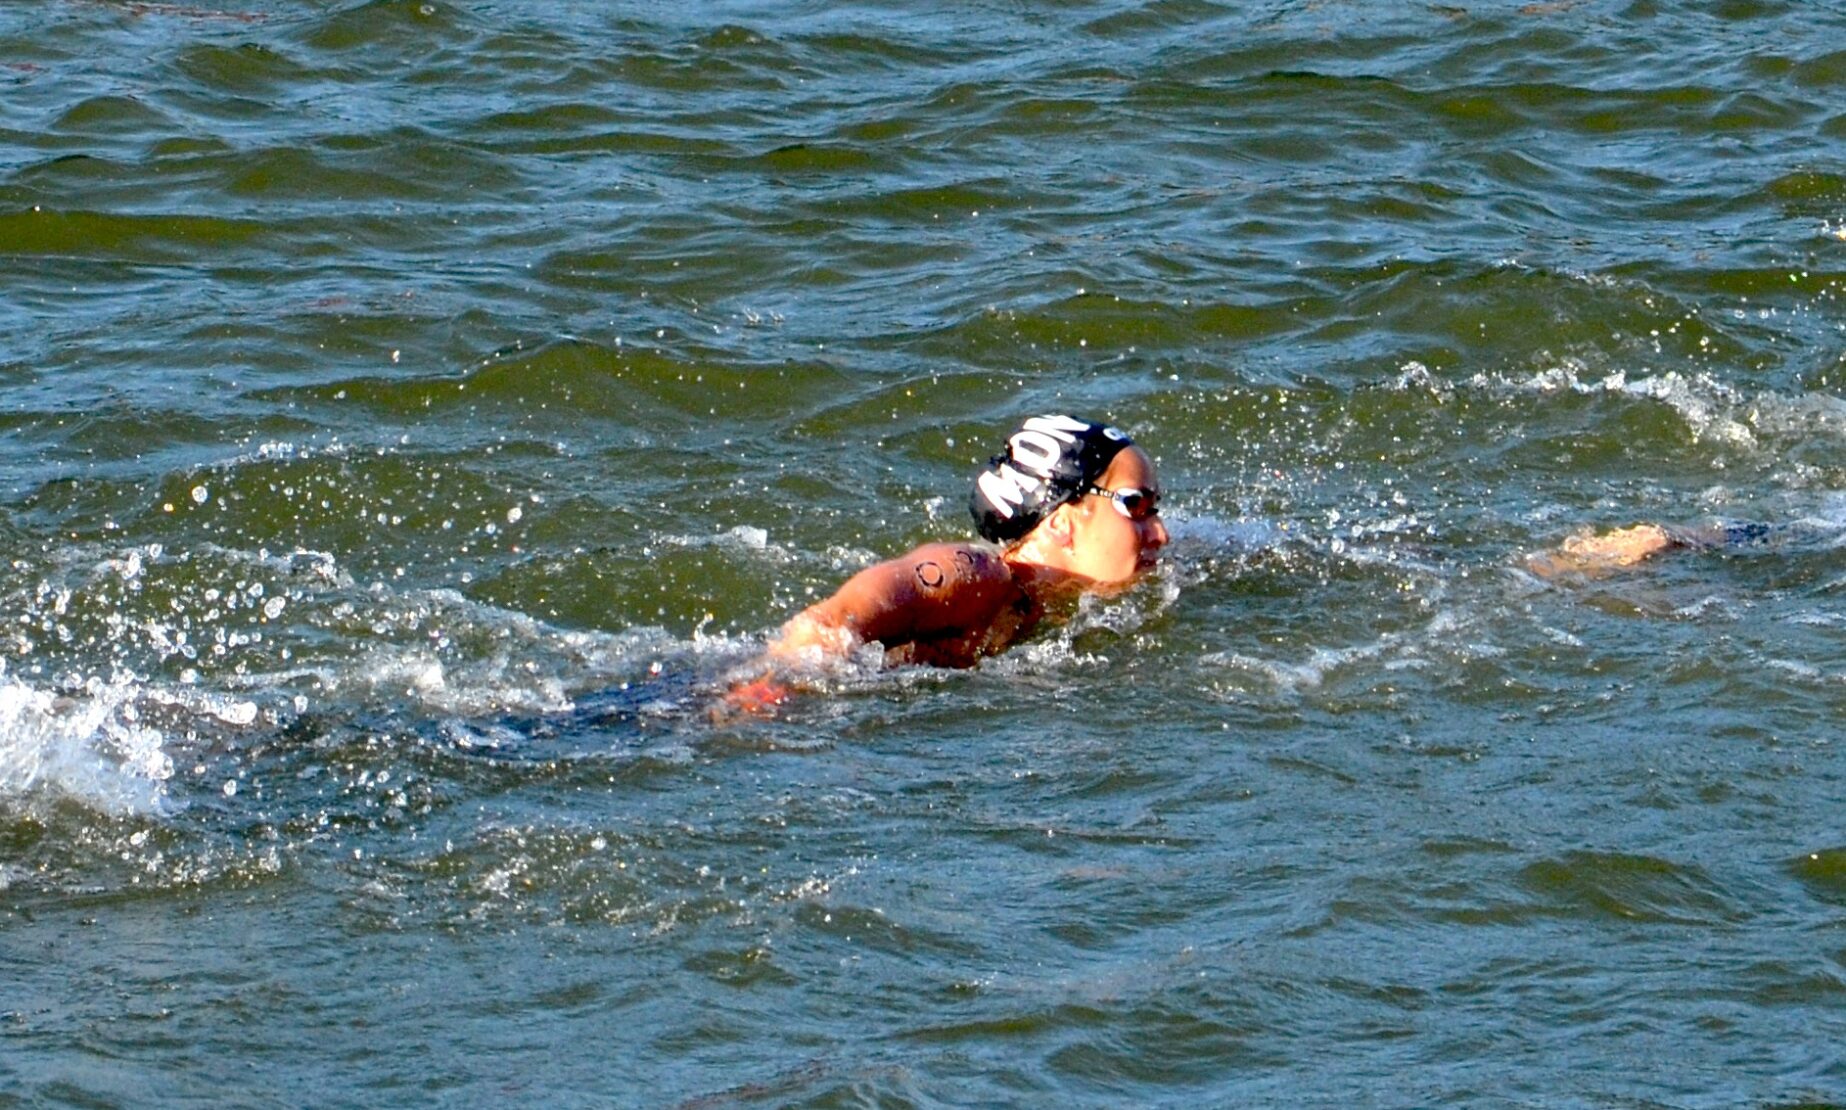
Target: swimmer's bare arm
938 589
1589 554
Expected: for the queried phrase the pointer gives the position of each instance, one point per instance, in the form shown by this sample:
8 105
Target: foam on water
88 745
1390 651
129 661
742 537
1711 409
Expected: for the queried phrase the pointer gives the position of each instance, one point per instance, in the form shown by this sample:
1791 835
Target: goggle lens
1135 504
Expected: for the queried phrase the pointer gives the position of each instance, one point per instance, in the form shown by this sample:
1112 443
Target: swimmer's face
1109 546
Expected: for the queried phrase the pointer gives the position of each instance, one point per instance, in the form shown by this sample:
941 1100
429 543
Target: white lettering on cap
1040 441
1035 451
1005 489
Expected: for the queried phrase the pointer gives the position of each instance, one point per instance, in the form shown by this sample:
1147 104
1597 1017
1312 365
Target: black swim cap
1049 461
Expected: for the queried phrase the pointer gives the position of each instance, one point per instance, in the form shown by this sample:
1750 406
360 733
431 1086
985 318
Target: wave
90 745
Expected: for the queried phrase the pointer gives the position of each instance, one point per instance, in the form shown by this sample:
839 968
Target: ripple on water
419 411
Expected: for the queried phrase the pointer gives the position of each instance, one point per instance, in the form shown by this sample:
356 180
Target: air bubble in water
200 495
237 713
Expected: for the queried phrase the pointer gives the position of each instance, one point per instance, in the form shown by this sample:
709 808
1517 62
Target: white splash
89 746
1448 635
743 537
1711 409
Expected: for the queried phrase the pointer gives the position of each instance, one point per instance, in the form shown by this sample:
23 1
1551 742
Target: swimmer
1068 507
1595 555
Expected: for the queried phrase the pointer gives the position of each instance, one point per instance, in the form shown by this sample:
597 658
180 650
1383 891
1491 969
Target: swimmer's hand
757 697
804 644
1592 556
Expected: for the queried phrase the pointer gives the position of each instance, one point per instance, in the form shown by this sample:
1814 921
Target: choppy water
413 410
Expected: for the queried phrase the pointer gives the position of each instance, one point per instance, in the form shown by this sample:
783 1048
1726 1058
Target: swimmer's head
1049 461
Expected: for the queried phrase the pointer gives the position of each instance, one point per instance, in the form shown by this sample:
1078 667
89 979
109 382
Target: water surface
415 411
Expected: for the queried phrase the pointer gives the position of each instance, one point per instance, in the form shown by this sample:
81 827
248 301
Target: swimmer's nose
1157 534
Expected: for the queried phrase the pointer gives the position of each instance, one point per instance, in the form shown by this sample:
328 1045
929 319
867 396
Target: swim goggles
1135 504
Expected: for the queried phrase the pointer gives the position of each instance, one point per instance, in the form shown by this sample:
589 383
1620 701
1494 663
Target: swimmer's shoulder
966 604
960 585
936 568
933 591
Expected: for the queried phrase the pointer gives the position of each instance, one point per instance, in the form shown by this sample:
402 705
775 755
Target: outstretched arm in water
1593 555
1589 554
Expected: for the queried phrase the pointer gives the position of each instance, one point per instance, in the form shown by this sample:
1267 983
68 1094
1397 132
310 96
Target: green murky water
414 410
